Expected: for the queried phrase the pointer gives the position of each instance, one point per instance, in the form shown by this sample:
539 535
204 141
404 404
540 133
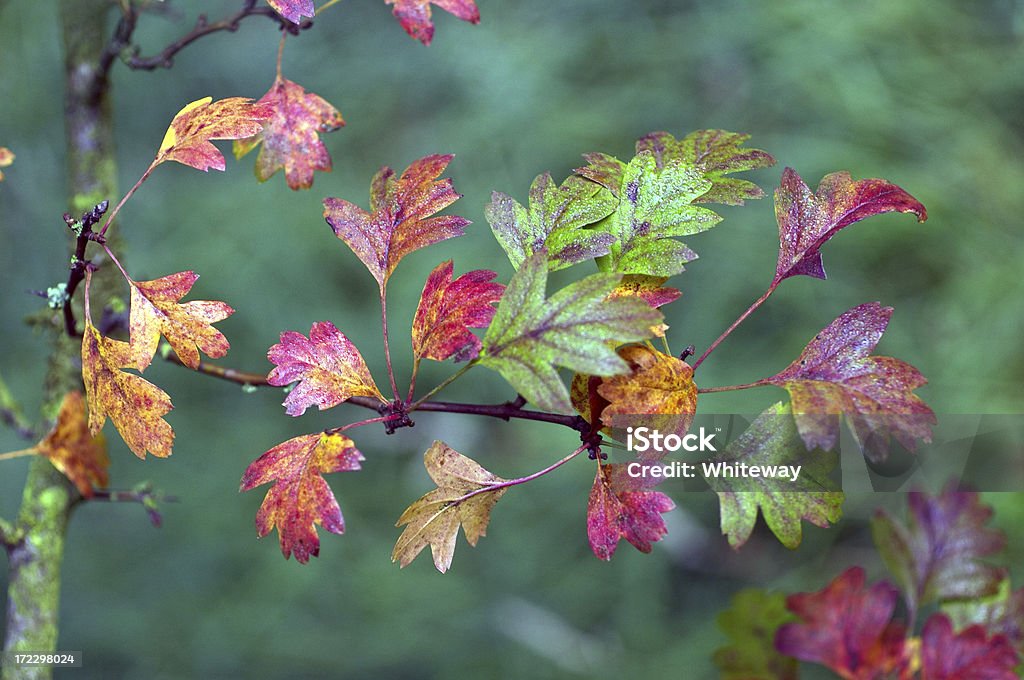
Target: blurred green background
927 94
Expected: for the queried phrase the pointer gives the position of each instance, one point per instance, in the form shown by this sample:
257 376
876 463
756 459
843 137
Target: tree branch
142 494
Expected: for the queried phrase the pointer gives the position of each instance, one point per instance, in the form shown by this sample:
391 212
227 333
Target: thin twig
142 494
523 480
230 374
22 453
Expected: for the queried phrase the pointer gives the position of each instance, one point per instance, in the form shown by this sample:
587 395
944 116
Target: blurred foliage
927 94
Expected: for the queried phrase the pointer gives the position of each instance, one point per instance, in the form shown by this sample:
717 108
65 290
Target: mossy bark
48 498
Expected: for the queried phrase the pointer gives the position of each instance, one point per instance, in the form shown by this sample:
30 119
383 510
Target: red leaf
835 375
971 653
401 221
613 514
807 221
187 140
289 137
329 366
414 15
448 309
300 498
847 628
293 10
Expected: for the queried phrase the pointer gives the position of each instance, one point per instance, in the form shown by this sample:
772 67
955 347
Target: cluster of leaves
938 557
413 15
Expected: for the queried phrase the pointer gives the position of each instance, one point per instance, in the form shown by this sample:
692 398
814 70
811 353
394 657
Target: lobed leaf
135 405
530 335
156 311
327 365
1001 613
807 220
834 375
414 15
74 450
751 622
187 140
657 384
300 498
401 221
293 10
847 628
971 653
937 555
6 158
290 136
448 309
772 440
614 514
465 495
556 220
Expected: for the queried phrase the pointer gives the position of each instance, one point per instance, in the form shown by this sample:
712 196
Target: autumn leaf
530 335
650 289
414 15
658 384
971 653
187 140
556 219
74 450
135 405
290 136
614 513
847 628
401 220
750 622
938 555
772 440
465 495
293 10
448 309
835 375
6 158
300 498
654 206
327 365
1001 613
155 311
807 220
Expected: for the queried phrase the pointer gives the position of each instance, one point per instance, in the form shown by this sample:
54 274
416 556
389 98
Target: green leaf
576 328
751 622
655 205
772 439
555 220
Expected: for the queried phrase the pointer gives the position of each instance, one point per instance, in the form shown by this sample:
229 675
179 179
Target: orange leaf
300 498
73 450
6 158
187 140
187 326
134 404
289 137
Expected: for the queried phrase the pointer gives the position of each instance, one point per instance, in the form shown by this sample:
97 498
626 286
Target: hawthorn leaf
807 220
300 498
6 158
290 137
834 375
938 555
74 450
187 140
530 335
556 219
1001 613
971 653
400 222
414 15
465 495
657 384
293 10
848 628
654 206
716 153
327 365
650 289
751 622
135 405
614 513
448 309
772 440
156 311
605 170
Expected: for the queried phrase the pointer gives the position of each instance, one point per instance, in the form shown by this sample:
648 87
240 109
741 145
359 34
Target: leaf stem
124 199
445 383
21 453
326 5
523 480
750 310
731 388
412 380
280 53
387 348
117 262
230 374
359 423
